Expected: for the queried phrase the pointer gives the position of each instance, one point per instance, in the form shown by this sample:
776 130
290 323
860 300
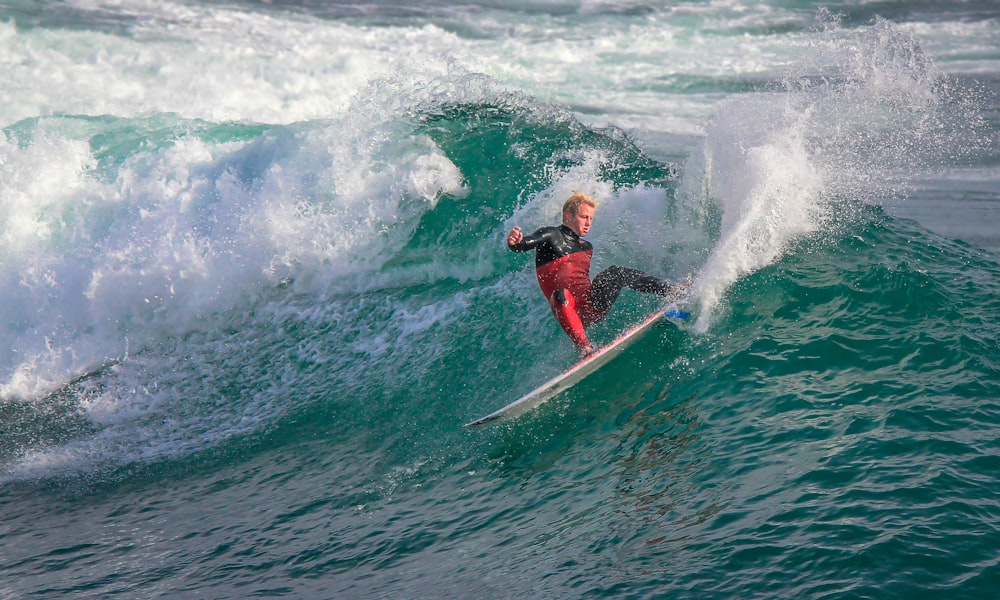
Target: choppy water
253 282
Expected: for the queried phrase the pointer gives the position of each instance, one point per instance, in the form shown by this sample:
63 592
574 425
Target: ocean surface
253 282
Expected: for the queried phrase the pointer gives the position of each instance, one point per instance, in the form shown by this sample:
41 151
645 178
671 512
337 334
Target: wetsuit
562 265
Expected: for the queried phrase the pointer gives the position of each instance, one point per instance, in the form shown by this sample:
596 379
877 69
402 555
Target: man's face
581 221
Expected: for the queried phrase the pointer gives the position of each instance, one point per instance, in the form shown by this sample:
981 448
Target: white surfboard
578 371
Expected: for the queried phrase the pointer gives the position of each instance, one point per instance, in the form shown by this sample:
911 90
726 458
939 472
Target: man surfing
562 265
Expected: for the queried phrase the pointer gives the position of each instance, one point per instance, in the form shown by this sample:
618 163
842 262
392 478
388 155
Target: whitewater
253 282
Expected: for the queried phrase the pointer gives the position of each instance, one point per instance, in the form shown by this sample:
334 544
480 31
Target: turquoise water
254 282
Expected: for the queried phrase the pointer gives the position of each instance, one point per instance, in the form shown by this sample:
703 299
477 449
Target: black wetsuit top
553 243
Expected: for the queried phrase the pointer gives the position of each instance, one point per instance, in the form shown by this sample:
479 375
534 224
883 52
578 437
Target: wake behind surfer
562 266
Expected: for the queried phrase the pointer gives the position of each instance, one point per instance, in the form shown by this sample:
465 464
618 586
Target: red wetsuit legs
564 308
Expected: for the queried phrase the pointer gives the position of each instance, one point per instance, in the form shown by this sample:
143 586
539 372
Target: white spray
851 121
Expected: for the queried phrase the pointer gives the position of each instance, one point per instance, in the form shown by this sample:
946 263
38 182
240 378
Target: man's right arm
518 242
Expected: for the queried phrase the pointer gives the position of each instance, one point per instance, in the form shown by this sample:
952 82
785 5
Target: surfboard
579 371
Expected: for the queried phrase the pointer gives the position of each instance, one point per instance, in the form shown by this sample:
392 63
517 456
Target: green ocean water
837 419
238 353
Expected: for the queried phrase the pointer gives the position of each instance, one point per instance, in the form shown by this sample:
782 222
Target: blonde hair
574 202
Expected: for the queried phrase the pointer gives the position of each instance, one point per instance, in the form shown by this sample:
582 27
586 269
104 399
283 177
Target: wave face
253 282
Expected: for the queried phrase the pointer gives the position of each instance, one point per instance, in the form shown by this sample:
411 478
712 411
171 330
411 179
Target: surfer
562 265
